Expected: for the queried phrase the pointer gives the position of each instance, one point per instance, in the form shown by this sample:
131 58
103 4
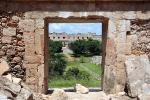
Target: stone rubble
4 67
58 94
13 91
81 89
138 75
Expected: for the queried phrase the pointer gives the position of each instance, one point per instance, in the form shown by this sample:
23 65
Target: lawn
93 69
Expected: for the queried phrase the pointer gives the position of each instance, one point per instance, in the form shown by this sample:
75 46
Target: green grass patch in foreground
93 69
60 82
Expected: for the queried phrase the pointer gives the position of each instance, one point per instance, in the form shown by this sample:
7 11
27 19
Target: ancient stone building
24 36
66 38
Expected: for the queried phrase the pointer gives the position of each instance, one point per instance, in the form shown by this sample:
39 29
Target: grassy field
93 69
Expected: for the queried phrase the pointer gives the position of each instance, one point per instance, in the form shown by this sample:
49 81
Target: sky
73 28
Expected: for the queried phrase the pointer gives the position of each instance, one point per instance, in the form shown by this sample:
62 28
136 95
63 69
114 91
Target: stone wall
140 31
23 37
12 47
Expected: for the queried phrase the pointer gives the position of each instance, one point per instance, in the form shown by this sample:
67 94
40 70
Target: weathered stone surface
144 97
39 41
29 37
2 53
35 59
24 95
9 77
15 18
11 87
11 52
138 71
5 95
6 39
4 67
4 20
13 91
16 80
58 94
9 31
41 76
39 23
17 59
81 89
27 25
32 18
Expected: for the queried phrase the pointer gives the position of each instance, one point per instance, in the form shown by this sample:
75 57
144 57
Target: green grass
61 82
93 69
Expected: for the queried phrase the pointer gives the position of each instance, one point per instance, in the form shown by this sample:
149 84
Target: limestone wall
23 38
12 46
140 33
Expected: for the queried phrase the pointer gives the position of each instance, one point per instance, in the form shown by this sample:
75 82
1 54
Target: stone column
34 62
114 72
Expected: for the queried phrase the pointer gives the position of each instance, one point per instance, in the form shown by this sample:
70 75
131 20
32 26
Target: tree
94 47
78 47
55 46
57 64
56 61
86 47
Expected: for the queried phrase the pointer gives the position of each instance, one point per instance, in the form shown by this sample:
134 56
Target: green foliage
86 47
74 72
83 75
94 47
55 46
82 59
78 47
57 64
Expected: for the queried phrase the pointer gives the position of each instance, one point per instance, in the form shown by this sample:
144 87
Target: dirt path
67 52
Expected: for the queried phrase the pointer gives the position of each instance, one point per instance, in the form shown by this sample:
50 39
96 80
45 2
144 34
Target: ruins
66 38
125 38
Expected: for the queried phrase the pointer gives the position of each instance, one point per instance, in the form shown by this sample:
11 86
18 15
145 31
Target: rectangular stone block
39 23
128 25
110 52
6 39
39 41
31 70
121 37
9 31
120 48
121 25
128 49
41 76
35 59
112 27
29 37
27 25
30 49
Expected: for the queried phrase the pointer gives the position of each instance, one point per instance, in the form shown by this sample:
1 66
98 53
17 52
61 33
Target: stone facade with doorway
24 36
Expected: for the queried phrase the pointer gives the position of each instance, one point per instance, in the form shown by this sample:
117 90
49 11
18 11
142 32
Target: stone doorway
90 19
113 57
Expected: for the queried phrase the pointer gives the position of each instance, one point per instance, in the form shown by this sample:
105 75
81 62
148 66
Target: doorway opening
75 52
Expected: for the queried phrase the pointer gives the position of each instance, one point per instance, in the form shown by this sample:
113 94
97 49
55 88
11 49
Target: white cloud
75 27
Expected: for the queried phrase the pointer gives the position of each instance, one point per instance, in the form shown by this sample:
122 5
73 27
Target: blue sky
76 28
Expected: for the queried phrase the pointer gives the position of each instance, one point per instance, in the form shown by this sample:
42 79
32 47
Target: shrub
86 47
82 59
74 72
83 75
57 64
55 46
